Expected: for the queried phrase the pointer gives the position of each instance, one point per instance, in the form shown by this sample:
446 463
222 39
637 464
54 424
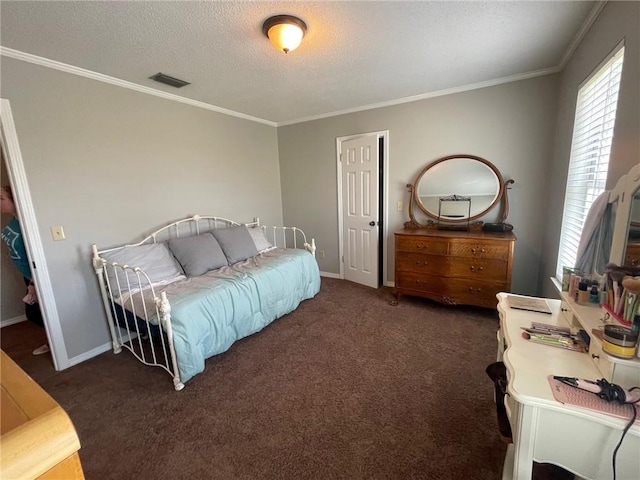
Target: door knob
372 223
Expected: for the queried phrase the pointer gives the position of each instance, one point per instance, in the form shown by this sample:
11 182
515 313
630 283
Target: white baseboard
90 354
12 321
98 350
336 275
330 275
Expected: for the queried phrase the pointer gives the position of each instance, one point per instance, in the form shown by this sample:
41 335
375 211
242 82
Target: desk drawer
600 358
567 313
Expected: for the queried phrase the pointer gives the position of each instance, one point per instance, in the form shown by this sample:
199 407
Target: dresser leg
396 298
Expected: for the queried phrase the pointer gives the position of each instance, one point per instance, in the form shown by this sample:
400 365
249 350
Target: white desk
545 430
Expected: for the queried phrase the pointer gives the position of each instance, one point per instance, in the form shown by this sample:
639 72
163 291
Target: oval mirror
471 178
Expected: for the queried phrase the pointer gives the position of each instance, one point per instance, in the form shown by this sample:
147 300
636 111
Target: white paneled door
359 158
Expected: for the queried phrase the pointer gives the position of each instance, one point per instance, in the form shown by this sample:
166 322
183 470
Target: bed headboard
283 237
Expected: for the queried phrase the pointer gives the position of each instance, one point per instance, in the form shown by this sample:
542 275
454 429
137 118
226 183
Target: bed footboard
129 318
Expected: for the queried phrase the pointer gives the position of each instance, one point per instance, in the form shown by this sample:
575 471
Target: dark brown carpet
345 387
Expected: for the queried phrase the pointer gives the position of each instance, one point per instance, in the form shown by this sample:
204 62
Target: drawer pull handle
476 250
474 290
420 246
564 309
418 262
593 355
473 268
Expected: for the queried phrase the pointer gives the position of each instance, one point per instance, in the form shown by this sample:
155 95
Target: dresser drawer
421 245
421 282
421 263
476 292
498 250
483 269
453 267
451 290
475 268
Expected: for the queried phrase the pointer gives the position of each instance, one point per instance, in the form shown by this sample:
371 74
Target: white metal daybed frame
140 343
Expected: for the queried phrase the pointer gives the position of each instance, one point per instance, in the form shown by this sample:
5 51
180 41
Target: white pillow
154 259
260 240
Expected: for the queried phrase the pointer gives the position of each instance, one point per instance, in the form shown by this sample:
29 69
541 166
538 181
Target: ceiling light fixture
284 31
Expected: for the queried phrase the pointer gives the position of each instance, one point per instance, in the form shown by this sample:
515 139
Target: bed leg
165 318
98 265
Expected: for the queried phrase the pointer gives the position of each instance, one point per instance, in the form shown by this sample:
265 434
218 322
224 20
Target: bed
190 289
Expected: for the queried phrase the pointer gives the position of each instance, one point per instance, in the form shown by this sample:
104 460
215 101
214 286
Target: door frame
383 190
31 235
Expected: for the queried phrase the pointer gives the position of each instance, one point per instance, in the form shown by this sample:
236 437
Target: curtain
594 249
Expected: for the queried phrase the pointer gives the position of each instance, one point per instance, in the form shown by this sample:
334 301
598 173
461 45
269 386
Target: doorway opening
33 243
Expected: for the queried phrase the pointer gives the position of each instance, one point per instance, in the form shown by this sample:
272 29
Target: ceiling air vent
167 80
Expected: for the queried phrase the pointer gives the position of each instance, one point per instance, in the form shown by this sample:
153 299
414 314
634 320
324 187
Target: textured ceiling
355 54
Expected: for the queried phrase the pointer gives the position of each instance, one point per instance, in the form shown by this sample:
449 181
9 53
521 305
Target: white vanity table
545 430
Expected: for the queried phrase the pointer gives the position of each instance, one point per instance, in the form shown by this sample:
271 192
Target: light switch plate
400 206
58 233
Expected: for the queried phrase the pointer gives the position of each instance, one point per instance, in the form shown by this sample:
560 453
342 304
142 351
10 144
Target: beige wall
511 125
109 164
618 21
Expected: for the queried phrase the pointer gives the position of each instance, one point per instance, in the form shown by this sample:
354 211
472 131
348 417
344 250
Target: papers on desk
531 304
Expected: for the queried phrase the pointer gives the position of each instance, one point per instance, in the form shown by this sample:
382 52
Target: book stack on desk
531 304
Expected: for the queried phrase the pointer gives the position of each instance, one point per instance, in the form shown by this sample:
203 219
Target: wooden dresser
454 267
38 439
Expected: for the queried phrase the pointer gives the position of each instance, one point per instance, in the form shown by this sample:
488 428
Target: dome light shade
284 31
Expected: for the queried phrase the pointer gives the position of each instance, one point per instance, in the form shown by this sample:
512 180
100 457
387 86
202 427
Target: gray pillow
259 239
198 254
154 259
236 243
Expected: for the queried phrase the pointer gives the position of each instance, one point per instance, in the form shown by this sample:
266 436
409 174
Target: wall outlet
321 253
58 233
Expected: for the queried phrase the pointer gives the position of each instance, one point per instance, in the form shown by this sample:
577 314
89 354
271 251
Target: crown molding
591 18
424 96
586 25
63 67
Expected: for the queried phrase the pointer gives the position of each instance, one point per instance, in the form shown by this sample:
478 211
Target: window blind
590 149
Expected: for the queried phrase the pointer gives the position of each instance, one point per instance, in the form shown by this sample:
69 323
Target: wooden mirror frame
414 198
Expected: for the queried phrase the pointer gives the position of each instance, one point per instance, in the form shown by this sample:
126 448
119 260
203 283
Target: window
590 149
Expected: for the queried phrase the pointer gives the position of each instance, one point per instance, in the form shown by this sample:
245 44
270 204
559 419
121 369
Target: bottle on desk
594 296
583 293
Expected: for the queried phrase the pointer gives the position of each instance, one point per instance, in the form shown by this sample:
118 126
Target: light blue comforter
210 312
